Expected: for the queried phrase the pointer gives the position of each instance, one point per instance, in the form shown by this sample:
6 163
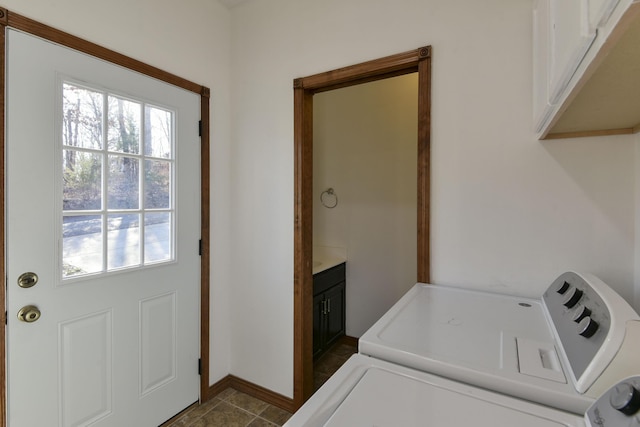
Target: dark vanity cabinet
328 308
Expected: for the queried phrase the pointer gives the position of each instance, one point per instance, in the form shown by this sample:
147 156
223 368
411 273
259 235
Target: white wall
190 39
364 147
509 213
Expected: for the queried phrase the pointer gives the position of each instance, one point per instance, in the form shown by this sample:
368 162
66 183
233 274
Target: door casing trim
9 19
418 60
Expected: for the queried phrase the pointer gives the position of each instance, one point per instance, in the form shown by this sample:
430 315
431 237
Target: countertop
320 265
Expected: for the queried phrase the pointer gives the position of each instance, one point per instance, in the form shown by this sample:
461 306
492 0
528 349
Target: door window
118 181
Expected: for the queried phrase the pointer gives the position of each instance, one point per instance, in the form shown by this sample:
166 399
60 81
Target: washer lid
460 326
369 392
473 337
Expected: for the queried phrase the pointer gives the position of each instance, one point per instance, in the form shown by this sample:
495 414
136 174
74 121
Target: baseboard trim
253 390
218 387
262 393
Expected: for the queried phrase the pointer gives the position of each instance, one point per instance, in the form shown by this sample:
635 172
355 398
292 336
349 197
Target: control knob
587 327
572 298
581 313
625 398
563 288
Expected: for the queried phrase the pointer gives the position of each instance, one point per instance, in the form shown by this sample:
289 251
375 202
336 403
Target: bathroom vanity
329 288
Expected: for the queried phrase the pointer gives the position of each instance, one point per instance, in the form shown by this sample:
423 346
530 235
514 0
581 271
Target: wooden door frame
418 60
9 19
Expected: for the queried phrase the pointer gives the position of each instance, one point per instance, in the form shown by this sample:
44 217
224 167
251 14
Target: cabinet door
335 316
570 37
318 325
541 22
600 11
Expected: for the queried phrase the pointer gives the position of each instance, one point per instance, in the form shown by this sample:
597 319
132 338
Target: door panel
335 313
85 369
110 348
158 347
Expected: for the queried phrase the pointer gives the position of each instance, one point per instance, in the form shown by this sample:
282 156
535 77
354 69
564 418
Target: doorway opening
415 61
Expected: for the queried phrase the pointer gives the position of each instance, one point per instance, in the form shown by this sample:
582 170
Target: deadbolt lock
27 280
29 314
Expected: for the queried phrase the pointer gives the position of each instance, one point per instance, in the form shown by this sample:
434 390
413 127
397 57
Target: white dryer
562 350
368 392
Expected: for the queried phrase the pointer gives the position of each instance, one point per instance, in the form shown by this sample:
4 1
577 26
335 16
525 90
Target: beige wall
510 213
364 147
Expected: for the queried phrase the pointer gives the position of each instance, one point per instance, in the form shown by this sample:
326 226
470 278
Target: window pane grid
118 210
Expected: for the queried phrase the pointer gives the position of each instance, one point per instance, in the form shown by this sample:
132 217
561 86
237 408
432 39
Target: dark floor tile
224 415
318 379
231 408
226 393
182 422
343 350
328 364
275 415
195 413
246 402
261 422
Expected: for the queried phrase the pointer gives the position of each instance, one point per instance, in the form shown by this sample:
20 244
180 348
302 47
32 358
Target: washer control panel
580 317
617 407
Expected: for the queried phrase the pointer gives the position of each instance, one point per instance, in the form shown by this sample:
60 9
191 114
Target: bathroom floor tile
330 362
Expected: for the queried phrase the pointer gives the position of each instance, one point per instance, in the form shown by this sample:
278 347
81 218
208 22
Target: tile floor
232 408
330 362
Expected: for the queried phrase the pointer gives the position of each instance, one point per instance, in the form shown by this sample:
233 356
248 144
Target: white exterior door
103 207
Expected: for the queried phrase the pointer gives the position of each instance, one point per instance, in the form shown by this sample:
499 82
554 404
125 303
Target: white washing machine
368 392
563 350
444 356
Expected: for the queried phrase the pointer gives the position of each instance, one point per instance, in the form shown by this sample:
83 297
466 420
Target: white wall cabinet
541 29
571 38
562 35
600 12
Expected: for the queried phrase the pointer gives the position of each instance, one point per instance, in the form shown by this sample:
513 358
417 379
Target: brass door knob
29 314
27 280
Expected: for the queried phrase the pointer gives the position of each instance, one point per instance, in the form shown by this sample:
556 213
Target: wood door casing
418 60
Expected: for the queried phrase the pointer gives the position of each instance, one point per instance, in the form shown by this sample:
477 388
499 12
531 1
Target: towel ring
329 193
